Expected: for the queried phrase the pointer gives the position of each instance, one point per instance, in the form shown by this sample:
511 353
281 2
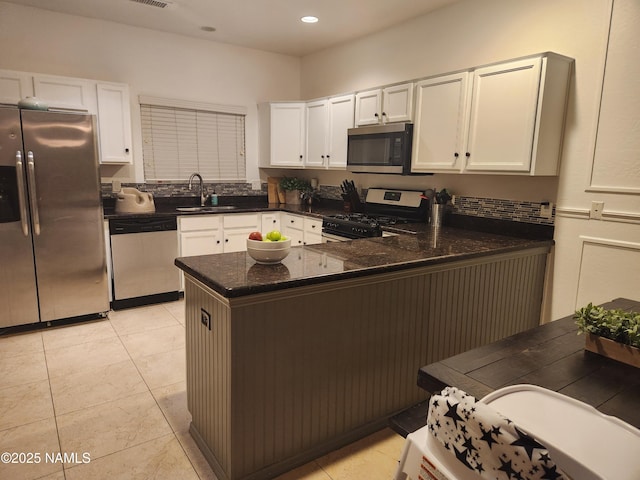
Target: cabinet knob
226 240
456 154
313 226
274 220
467 154
328 156
384 114
376 115
218 242
300 157
322 156
126 150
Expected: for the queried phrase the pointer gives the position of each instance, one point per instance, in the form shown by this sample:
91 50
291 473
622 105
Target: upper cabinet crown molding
108 101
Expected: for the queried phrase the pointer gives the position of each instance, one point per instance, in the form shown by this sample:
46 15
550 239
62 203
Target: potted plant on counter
611 333
294 189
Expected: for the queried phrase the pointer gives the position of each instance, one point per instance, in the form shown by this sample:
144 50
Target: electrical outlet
256 185
205 318
116 186
546 210
596 210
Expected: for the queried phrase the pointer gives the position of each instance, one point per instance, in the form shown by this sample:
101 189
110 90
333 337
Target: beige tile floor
114 390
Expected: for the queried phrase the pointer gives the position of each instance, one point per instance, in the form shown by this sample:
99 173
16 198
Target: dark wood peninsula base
279 377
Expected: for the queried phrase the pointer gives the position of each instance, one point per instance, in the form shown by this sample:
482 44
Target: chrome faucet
203 197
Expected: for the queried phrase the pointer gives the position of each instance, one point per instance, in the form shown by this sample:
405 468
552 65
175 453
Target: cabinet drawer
312 225
293 221
199 222
250 220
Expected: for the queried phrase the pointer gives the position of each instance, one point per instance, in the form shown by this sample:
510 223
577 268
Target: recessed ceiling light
207 29
309 19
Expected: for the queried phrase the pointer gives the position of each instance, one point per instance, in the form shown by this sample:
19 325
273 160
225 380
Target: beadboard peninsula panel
283 377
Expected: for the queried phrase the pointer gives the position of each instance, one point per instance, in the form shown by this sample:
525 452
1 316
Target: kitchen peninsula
286 362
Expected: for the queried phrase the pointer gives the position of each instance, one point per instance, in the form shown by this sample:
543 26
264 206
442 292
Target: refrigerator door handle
22 204
31 169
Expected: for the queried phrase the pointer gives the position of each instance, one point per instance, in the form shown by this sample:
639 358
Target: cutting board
272 189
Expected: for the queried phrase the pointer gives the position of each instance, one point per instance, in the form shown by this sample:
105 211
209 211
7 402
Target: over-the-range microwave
380 149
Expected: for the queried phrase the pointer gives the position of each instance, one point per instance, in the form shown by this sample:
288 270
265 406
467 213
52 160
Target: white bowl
268 252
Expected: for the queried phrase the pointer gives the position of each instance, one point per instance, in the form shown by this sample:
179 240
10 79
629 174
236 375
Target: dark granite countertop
237 274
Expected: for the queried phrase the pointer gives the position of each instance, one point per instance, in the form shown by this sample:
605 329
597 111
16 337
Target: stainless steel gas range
382 208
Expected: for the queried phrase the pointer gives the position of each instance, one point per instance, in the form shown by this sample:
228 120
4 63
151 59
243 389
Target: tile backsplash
513 210
182 189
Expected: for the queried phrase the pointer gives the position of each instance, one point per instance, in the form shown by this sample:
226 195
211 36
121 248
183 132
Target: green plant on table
617 325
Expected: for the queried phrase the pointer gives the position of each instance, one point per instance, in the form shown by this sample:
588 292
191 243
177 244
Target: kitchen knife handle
22 204
31 169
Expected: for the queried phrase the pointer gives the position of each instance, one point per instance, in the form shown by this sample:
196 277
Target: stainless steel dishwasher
143 250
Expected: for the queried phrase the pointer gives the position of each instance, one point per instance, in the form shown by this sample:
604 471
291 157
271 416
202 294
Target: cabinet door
441 118
66 93
317 113
341 114
312 231
203 242
287 134
368 106
293 227
235 240
15 86
503 114
114 123
270 221
397 103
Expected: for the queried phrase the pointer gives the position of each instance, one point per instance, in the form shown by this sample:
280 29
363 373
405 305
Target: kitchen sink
206 209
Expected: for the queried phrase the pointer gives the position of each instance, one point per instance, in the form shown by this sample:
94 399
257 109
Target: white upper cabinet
282 134
517 116
66 93
506 118
114 123
387 105
397 103
439 134
317 133
503 116
341 115
369 107
108 101
15 86
327 124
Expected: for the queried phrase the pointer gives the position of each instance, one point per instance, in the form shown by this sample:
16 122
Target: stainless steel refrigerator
52 246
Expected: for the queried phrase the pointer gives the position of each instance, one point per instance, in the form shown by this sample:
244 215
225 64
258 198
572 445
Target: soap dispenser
214 198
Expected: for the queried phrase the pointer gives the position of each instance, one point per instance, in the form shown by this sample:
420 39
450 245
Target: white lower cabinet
270 221
237 228
292 227
199 235
312 231
301 229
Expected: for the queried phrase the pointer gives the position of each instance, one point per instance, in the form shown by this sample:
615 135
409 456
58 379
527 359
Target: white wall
594 260
151 63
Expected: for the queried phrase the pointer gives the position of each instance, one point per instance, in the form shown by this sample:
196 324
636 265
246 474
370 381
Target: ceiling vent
152 3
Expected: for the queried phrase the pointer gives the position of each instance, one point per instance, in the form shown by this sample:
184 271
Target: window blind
180 141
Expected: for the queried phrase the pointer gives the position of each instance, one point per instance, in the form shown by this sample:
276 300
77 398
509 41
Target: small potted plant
294 189
612 333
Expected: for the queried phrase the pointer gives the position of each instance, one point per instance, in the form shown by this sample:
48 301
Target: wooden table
551 356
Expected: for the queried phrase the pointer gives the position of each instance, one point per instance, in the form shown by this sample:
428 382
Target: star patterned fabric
487 442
